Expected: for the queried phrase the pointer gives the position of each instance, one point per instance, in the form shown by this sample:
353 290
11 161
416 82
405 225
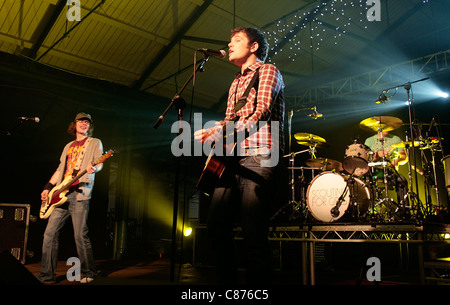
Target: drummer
381 145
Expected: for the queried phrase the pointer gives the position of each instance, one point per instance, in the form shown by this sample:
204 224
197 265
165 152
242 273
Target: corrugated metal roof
120 40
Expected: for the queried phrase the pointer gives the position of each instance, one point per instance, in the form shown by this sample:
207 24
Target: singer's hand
209 135
247 125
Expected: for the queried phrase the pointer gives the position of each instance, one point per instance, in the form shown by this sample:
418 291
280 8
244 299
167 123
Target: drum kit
363 187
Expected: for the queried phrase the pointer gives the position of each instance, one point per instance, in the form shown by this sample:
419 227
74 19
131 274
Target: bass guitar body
56 198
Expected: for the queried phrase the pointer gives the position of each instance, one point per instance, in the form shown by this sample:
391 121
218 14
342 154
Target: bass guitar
57 195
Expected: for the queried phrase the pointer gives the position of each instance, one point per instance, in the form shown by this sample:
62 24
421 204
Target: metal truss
383 77
384 233
347 233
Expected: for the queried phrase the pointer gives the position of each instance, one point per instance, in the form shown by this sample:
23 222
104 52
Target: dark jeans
78 211
244 195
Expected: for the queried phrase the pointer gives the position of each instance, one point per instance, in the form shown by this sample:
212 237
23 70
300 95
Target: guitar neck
73 180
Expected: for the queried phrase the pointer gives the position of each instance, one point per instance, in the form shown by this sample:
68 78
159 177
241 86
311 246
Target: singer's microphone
315 115
218 53
25 118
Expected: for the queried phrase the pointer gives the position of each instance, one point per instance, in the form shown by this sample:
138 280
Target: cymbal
309 139
325 164
377 123
314 144
303 137
405 144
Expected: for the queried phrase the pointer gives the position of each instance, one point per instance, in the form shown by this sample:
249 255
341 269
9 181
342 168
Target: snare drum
356 159
325 190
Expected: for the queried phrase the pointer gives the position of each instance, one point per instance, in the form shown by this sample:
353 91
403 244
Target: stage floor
157 272
339 253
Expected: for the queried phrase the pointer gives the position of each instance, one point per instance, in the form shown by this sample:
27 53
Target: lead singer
247 191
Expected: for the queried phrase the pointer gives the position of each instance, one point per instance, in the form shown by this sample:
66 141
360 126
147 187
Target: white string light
342 12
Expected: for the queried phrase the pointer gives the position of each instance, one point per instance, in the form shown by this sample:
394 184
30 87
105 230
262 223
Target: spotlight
187 231
442 94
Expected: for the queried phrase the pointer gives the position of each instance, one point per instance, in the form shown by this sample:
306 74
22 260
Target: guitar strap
81 154
243 99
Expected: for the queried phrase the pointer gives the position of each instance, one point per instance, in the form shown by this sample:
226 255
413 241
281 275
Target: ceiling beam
206 40
71 29
53 16
178 36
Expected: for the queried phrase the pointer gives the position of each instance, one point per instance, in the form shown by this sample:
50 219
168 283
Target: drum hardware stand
435 186
388 201
296 206
430 182
373 189
413 198
433 156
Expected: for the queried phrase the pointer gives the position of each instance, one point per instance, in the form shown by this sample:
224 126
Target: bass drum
325 190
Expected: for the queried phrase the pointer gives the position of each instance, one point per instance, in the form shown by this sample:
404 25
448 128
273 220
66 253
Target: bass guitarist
76 156
247 190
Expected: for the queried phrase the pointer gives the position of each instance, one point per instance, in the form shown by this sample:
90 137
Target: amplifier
14 224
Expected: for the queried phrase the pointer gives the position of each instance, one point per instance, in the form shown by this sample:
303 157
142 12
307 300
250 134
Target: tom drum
356 159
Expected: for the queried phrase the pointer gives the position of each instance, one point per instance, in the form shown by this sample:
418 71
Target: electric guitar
57 196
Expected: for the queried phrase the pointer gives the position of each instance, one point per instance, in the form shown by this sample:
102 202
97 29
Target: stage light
187 231
442 94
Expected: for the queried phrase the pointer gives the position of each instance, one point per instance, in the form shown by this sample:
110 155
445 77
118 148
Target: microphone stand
407 87
178 103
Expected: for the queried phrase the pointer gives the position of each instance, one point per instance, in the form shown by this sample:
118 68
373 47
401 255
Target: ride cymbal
380 123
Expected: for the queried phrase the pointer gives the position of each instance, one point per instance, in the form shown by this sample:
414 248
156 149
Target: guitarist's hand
90 169
44 195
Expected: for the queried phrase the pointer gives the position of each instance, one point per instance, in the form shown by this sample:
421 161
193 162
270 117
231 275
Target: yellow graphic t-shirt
72 157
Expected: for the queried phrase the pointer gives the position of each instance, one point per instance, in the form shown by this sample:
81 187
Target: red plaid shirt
265 104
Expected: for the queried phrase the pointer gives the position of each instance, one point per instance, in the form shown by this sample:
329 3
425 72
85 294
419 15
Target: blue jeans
78 211
245 194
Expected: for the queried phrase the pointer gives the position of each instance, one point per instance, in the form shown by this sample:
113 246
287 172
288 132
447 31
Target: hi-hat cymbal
325 164
380 123
407 144
311 140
